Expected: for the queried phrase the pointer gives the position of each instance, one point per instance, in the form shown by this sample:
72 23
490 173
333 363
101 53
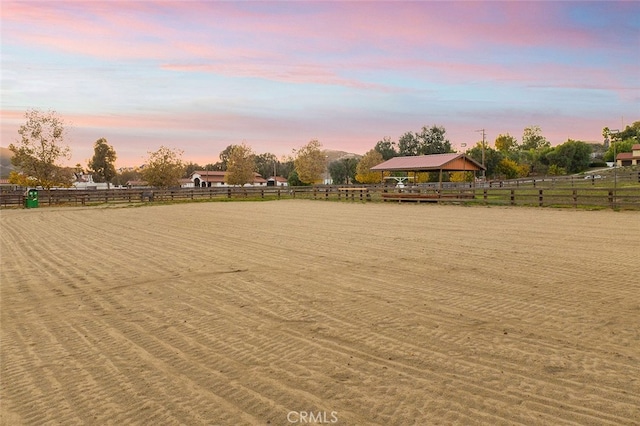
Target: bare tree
40 146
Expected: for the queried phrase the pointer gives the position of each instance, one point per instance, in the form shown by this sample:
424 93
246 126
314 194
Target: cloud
206 74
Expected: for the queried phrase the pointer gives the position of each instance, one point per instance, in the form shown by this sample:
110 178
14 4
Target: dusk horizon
199 76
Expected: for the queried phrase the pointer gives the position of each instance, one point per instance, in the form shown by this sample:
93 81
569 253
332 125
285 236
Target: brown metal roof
449 162
216 176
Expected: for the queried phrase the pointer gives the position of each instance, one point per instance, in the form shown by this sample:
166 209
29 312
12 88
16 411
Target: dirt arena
298 312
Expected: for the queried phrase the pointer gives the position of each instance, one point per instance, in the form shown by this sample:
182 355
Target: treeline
42 144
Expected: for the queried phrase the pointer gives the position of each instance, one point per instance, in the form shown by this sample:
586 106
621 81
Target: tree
506 143
285 166
461 176
191 167
125 176
224 158
432 141
629 132
556 170
338 172
387 148
343 171
310 162
241 165
508 169
163 168
40 146
492 158
363 170
532 139
294 180
621 141
618 147
102 163
408 145
266 164
572 156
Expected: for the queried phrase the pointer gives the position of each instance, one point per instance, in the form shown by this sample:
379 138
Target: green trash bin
31 198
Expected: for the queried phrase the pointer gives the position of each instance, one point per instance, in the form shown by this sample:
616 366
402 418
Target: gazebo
431 163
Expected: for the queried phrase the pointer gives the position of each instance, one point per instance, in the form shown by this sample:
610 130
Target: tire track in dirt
238 324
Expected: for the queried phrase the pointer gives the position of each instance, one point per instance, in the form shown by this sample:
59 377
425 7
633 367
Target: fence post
278 193
484 195
513 198
229 192
611 199
575 198
540 198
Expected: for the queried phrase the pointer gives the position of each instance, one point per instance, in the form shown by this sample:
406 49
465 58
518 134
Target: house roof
449 162
209 173
636 147
625 156
219 176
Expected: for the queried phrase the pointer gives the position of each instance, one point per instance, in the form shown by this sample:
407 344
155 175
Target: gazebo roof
447 162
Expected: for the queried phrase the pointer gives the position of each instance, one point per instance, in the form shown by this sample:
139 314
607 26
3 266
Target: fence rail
585 195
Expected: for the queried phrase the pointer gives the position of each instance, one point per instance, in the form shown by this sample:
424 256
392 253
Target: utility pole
615 165
483 138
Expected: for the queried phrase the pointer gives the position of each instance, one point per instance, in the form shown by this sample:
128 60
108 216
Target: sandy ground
359 314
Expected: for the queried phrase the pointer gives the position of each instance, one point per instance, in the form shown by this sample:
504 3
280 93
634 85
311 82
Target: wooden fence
534 194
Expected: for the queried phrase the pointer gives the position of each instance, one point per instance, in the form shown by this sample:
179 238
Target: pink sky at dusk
200 76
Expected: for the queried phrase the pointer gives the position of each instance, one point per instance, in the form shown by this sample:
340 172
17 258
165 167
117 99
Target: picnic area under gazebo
440 163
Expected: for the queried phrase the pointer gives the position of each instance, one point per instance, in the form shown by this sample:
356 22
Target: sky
201 75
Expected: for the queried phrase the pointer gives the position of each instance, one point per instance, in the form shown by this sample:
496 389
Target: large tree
266 164
433 141
241 165
102 165
387 148
363 169
572 156
191 167
127 175
408 145
163 168
618 147
532 139
224 158
310 162
430 140
629 132
492 158
36 154
343 171
506 143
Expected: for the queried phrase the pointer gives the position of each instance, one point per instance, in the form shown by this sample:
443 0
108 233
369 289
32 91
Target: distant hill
5 162
339 155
